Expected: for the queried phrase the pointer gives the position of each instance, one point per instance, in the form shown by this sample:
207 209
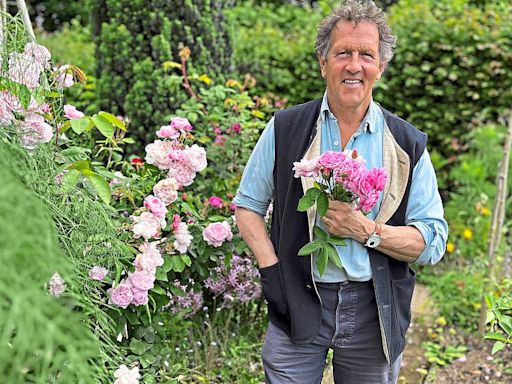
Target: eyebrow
352 47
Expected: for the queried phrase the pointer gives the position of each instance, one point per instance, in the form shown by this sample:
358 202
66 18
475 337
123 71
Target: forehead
363 35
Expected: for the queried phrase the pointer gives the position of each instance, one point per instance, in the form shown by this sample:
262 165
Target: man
362 310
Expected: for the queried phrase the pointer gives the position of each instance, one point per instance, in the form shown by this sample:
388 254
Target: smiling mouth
352 81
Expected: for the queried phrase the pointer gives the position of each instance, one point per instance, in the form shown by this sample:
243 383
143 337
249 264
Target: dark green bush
134 39
452 67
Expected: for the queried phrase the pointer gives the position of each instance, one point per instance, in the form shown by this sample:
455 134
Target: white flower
183 238
125 375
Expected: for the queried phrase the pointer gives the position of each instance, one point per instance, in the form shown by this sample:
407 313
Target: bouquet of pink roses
338 176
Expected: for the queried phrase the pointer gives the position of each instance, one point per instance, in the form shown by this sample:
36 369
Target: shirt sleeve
257 185
425 211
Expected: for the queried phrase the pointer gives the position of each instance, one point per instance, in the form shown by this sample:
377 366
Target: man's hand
343 221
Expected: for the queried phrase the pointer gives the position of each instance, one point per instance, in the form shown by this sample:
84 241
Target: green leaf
167 263
131 317
80 125
161 275
138 347
320 233
74 154
335 240
177 264
100 185
186 260
309 248
333 255
114 120
322 204
70 179
147 360
495 336
104 126
308 200
81 165
158 290
498 346
321 261
177 291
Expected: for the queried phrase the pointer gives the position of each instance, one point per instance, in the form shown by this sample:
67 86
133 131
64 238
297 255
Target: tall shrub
134 38
451 68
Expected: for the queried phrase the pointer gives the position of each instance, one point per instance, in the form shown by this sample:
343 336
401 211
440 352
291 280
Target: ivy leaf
321 261
322 204
104 126
308 199
310 248
333 255
138 347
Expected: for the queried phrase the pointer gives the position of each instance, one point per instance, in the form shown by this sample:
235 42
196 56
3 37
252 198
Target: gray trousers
350 326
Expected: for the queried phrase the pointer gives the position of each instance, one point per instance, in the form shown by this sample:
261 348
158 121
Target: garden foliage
135 38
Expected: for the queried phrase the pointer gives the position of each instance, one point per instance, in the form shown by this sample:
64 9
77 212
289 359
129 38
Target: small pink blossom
140 297
121 295
98 273
34 131
126 375
6 115
56 285
232 206
197 158
157 153
215 202
176 219
167 190
236 128
71 112
306 168
181 124
116 180
24 70
142 280
155 205
58 178
217 131
181 173
168 132
147 225
216 233
183 238
40 54
149 259
63 77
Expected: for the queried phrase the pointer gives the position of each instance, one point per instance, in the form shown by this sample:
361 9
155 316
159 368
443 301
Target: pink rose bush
215 234
339 176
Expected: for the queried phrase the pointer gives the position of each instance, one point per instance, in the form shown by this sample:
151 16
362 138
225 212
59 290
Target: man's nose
354 63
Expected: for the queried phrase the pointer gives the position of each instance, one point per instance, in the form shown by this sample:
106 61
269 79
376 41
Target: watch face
373 241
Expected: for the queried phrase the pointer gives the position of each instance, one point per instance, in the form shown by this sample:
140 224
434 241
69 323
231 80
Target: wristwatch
373 240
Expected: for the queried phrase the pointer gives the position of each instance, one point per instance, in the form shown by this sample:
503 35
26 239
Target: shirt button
308 287
336 142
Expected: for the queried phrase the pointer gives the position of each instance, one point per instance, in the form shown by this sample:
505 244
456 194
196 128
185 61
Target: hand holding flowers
339 176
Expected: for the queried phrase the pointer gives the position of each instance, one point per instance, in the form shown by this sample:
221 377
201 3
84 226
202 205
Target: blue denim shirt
424 208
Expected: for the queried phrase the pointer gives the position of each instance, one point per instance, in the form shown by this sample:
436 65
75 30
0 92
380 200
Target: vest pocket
402 296
272 287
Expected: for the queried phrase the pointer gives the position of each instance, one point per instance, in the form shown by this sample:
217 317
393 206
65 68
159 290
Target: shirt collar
370 120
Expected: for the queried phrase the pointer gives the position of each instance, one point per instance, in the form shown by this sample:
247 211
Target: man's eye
342 54
368 55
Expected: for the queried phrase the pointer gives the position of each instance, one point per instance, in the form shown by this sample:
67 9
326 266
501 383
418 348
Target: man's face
352 65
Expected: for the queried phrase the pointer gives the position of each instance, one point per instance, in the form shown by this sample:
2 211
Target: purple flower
189 304
98 273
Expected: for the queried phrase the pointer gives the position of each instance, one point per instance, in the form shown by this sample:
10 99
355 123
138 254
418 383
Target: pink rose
63 77
34 131
142 280
306 168
183 238
6 115
24 70
366 203
232 206
197 157
147 225
98 273
216 233
140 297
40 54
332 160
121 295
236 128
379 177
71 112
215 202
155 205
181 123
182 173
167 190
157 153
149 259
168 132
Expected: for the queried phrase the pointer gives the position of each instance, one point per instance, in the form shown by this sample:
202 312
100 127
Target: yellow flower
450 247
467 234
485 211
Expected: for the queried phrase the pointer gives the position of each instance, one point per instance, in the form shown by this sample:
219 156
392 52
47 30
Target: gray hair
357 11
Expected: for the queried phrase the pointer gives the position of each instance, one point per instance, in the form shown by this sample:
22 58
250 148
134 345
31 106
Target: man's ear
321 61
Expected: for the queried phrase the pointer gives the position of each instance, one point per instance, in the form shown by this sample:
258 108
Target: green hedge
452 67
